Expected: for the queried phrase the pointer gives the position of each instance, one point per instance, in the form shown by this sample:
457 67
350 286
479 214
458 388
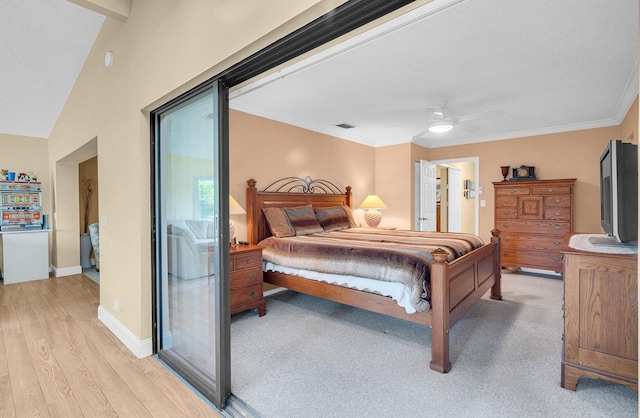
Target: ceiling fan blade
480 115
420 134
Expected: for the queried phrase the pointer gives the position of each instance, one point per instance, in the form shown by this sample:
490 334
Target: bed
455 285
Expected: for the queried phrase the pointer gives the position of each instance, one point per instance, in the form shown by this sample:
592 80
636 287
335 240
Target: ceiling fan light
440 127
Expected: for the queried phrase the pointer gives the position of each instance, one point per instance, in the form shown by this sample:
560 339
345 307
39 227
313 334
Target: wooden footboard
455 286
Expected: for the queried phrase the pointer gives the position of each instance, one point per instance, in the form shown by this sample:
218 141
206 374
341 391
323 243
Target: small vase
505 171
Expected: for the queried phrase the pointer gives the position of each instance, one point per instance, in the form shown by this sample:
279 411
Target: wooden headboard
288 192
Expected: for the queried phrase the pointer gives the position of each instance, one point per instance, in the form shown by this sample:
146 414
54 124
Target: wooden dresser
532 218
600 317
245 267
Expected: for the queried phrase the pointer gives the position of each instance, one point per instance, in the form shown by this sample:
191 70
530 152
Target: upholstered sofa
188 244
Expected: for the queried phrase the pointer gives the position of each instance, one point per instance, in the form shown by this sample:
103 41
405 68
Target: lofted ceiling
517 67
43 46
513 68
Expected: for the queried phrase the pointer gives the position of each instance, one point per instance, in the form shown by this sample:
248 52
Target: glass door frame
221 288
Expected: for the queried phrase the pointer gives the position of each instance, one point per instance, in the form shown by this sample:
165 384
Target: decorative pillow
352 219
278 222
333 218
303 220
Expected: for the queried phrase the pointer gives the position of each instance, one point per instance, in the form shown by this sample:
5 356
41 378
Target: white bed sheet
397 291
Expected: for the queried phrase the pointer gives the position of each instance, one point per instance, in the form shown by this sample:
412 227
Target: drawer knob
506 239
252 293
550 190
506 202
556 213
556 227
512 191
252 276
558 200
556 242
557 258
506 225
505 254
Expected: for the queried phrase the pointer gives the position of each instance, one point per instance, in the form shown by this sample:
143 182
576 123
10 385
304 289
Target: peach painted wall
394 174
266 150
555 156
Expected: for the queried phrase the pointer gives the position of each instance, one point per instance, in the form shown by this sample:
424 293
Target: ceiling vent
345 126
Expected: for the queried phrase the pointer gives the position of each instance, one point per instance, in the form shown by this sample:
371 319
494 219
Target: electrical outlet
115 305
103 221
483 203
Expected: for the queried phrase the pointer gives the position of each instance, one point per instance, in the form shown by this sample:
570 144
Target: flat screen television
619 191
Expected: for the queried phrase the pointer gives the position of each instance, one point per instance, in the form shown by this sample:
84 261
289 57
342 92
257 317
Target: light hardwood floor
58 360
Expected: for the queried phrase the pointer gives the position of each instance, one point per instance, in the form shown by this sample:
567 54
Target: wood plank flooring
58 360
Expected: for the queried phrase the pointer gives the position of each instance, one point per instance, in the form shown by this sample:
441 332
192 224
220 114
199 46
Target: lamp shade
234 207
372 217
372 202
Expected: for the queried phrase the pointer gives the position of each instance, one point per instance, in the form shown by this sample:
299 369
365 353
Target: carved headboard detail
288 192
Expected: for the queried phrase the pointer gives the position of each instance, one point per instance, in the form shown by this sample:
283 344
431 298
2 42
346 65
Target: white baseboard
66 271
140 348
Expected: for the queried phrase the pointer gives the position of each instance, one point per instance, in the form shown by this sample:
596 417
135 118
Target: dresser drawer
534 259
509 242
246 277
551 190
246 261
558 214
507 212
246 295
512 191
534 227
506 201
557 201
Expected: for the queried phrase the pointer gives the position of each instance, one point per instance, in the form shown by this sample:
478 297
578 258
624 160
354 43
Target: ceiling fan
441 122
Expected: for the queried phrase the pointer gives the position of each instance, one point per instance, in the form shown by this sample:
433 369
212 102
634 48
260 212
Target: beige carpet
309 357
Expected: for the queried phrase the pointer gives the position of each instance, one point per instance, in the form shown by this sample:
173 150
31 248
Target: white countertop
24 231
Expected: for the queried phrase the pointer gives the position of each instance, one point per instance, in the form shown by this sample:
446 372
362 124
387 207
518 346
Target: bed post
439 313
252 220
349 198
496 289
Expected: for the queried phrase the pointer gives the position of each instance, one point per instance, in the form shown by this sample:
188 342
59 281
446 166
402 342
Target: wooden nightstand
245 266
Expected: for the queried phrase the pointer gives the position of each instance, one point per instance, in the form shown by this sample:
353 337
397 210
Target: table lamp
234 209
372 216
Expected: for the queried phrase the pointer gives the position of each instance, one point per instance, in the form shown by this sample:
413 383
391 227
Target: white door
454 208
426 213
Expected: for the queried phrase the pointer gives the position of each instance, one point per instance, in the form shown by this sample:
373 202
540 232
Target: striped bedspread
389 255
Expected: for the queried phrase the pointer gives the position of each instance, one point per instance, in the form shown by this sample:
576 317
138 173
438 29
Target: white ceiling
43 46
542 66
547 66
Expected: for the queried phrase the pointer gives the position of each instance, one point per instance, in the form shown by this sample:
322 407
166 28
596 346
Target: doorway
89 218
466 191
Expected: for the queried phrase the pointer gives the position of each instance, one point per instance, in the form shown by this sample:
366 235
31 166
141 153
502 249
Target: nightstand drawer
246 295
246 277
245 261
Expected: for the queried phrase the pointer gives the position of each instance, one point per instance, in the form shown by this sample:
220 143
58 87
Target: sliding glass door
191 204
